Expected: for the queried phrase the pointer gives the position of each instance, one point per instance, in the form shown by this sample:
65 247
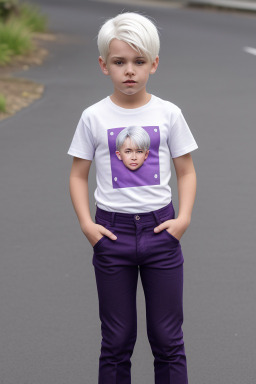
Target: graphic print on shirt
134 156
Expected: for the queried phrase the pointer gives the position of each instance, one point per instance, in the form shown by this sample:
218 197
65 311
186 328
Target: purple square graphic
147 174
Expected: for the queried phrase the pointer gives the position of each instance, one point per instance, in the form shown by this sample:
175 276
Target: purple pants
158 258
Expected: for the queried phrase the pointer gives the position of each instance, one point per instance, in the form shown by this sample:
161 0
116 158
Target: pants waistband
136 217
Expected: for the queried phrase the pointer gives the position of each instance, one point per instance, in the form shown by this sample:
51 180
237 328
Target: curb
232 4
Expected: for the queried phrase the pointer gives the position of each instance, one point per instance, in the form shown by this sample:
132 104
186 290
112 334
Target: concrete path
50 330
231 4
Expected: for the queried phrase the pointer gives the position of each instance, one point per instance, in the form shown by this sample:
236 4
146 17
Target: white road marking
250 50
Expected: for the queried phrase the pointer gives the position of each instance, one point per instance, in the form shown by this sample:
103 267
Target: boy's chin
134 169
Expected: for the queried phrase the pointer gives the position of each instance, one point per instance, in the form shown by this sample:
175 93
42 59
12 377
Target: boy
135 229
132 147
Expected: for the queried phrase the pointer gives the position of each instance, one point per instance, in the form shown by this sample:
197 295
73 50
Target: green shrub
32 18
5 54
15 37
17 23
2 103
8 8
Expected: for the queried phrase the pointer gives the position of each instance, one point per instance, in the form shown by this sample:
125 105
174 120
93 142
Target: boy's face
132 156
128 69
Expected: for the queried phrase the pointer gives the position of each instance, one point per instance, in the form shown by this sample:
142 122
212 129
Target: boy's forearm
186 194
80 198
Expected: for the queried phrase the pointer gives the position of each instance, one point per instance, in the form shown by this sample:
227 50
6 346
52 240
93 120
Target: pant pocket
162 219
105 224
171 236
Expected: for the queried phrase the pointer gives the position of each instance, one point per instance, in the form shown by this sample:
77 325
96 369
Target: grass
5 53
2 103
15 37
32 18
16 32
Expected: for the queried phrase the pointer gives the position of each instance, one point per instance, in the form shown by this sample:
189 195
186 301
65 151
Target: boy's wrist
85 225
184 219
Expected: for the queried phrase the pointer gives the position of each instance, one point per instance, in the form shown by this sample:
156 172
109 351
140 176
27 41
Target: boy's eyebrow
122 58
130 149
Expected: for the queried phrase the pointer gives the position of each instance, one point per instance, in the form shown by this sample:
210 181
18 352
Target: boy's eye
118 62
140 62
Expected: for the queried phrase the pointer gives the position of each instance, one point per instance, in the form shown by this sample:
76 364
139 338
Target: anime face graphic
132 156
132 147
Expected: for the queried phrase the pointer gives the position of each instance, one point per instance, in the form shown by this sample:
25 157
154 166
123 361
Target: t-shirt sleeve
181 140
82 144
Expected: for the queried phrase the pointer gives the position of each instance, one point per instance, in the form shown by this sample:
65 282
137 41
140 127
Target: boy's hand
94 232
175 227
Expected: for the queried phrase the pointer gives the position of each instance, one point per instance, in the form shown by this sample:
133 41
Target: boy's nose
129 69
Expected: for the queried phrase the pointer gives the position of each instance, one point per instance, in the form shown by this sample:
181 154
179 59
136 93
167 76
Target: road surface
50 330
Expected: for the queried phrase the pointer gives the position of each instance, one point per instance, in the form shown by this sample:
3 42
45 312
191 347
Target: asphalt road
50 330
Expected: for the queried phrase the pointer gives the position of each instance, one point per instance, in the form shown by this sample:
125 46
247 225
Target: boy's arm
186 179
79 193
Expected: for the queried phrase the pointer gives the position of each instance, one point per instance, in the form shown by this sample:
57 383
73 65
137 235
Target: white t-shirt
119 188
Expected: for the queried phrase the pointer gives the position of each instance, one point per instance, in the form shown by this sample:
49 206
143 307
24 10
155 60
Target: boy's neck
130 101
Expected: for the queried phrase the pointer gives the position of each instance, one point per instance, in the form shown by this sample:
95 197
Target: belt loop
113 218
157 218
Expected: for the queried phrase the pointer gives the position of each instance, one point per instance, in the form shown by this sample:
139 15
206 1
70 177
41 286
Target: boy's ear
103 66
154 65
118 155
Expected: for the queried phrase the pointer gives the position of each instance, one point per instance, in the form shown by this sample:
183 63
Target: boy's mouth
129 82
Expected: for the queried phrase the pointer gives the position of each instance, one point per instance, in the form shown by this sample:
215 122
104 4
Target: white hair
134 29
138 136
